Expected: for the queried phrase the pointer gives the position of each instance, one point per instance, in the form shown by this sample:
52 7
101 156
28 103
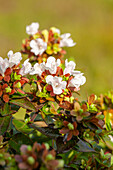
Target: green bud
81 110
48 47
46 145
18 85
44 59
30 135
35 36
60 163
29 148
1 155
27 120
17 77
84 165
31 160
66 99
49 157
82 161
70 126
66 78
61 95
47 109
8 89
45 34
87 135
9 158
71 99
88 168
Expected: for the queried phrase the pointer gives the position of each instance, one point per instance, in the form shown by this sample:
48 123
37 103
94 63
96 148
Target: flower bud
8 89
1 155
46 145
18 85
31 160
29 148
60 163
82 161
70 126
49 157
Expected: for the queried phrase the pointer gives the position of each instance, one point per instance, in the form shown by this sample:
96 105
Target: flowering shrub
58 131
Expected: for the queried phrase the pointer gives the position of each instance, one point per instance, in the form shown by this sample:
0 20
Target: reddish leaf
6 98
84 107
4 86
1 77
75 125
8 72
91 99
69 135
12 91
52 94
20 91
75 132
1 93
67 75
65 123
49 88
64 131
59 71
7 78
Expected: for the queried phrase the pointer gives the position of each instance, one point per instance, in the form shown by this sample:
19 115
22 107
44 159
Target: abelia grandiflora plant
11 81
52 81
43 43
79 131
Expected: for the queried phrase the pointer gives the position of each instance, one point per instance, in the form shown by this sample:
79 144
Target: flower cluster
55 82
38 156
11 80
42 44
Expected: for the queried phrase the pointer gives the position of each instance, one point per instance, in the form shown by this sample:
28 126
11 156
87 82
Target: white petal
57 90
10 53
49 79
66 35
32 29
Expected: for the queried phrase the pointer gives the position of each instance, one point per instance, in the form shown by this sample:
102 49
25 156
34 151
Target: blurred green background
89 21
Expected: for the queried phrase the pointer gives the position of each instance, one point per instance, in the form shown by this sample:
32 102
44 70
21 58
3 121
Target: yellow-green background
89 21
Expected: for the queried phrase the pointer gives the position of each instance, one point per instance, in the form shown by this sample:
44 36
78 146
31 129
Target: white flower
26 68
52 64
38 69
77 81
32 29
38 46
57 84
4 64
14 59
69 67
55 30
66 40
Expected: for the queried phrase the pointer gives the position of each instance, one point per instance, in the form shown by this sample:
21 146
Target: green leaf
5 110
84 147
23 102
4 124
61 147
21 126
17 140
108 121
47 131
